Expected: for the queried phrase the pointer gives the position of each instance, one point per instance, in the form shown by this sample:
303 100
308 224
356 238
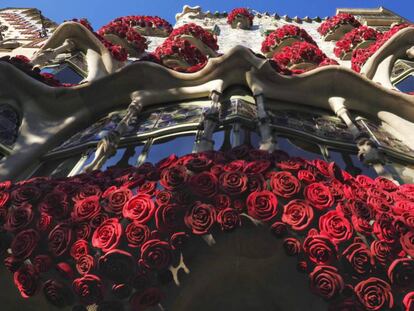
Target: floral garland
282 33
240 12
109 236
145 21
117 51
299 53
197 32
335 21
22 63
353 38
181 50
360 56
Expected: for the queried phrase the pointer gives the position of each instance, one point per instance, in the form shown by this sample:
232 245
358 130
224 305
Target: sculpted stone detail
211 119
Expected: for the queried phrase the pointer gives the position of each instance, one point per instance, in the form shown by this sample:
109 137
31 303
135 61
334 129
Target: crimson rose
200 217
326 281
298 214
139 208
88 288
284 184
26 280
156 255
107 235
319 195
374 294
262 205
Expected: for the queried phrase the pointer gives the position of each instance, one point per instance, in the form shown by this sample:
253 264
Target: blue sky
99 12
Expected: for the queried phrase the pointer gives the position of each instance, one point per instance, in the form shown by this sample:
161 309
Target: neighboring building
338 89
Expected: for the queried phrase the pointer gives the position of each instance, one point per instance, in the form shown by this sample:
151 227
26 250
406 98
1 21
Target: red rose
55 204
120 291
361 226
384 228
382 251
200 217
117 265
57 293
359 258
82 231
279 229
319 196
284 184
198 164
12 263
42 263
156 255
320 249
360 209
228 219
88 288
306 176
256 182
262 205
298 214
4 198
59 239
26 280
85 264
25 194
169 218
173 178
164 197
98 219
166 162
86 209
385 184
292 164
335 226
222 201
236 165
148 298
19 218
204 184
257 167
178 240
43 222
374 294
107 235
79 248
148 188
24 243
408 301
139 208
233 183
292 246
137 234
326 282
88 190
117 199
401 273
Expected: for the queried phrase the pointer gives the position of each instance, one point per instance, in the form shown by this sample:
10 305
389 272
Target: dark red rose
284 184
24 243
385 184
362 226
55 204
4 198
117 199
82 231
402 206
178 240
148 298
358 257
64 270
148 188
222 201
86 209
97 220
59 239
292 164
85 264
121 291
326 282
42 263
257 167
156 255
374 294
200 217
26 280
319 196
173 178
233 183
169 218
335 226
384 228
292 246
56 293
228 219
19 218
117 265
217 169
199 163
364 181
12 263
141 281
88 190
107 235
278 229
166 162
164 197
306 176
79 248
236 165
320 249
43 222
88 289
256 182
204 184
360 209
137 234
346 304
322 166
140 208
408 301
262 205
25 194
382 251
401 273
298 214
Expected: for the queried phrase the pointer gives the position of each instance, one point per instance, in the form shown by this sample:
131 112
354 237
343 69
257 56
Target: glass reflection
162 148
299 148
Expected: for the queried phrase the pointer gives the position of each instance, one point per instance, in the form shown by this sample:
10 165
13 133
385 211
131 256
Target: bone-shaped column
109 143
368 151
45 56
210 121
268 142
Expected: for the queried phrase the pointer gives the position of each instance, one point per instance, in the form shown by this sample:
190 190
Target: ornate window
402 75
9 128
72 70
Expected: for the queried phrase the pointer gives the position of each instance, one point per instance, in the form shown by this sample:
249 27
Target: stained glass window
9 125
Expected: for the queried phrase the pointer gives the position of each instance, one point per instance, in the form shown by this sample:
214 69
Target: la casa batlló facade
233 161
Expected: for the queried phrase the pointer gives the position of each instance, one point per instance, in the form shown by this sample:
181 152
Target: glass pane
57 168
406 85
344 160
179 145
133 160
365 169
218 138
112 161
299 148
68 75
